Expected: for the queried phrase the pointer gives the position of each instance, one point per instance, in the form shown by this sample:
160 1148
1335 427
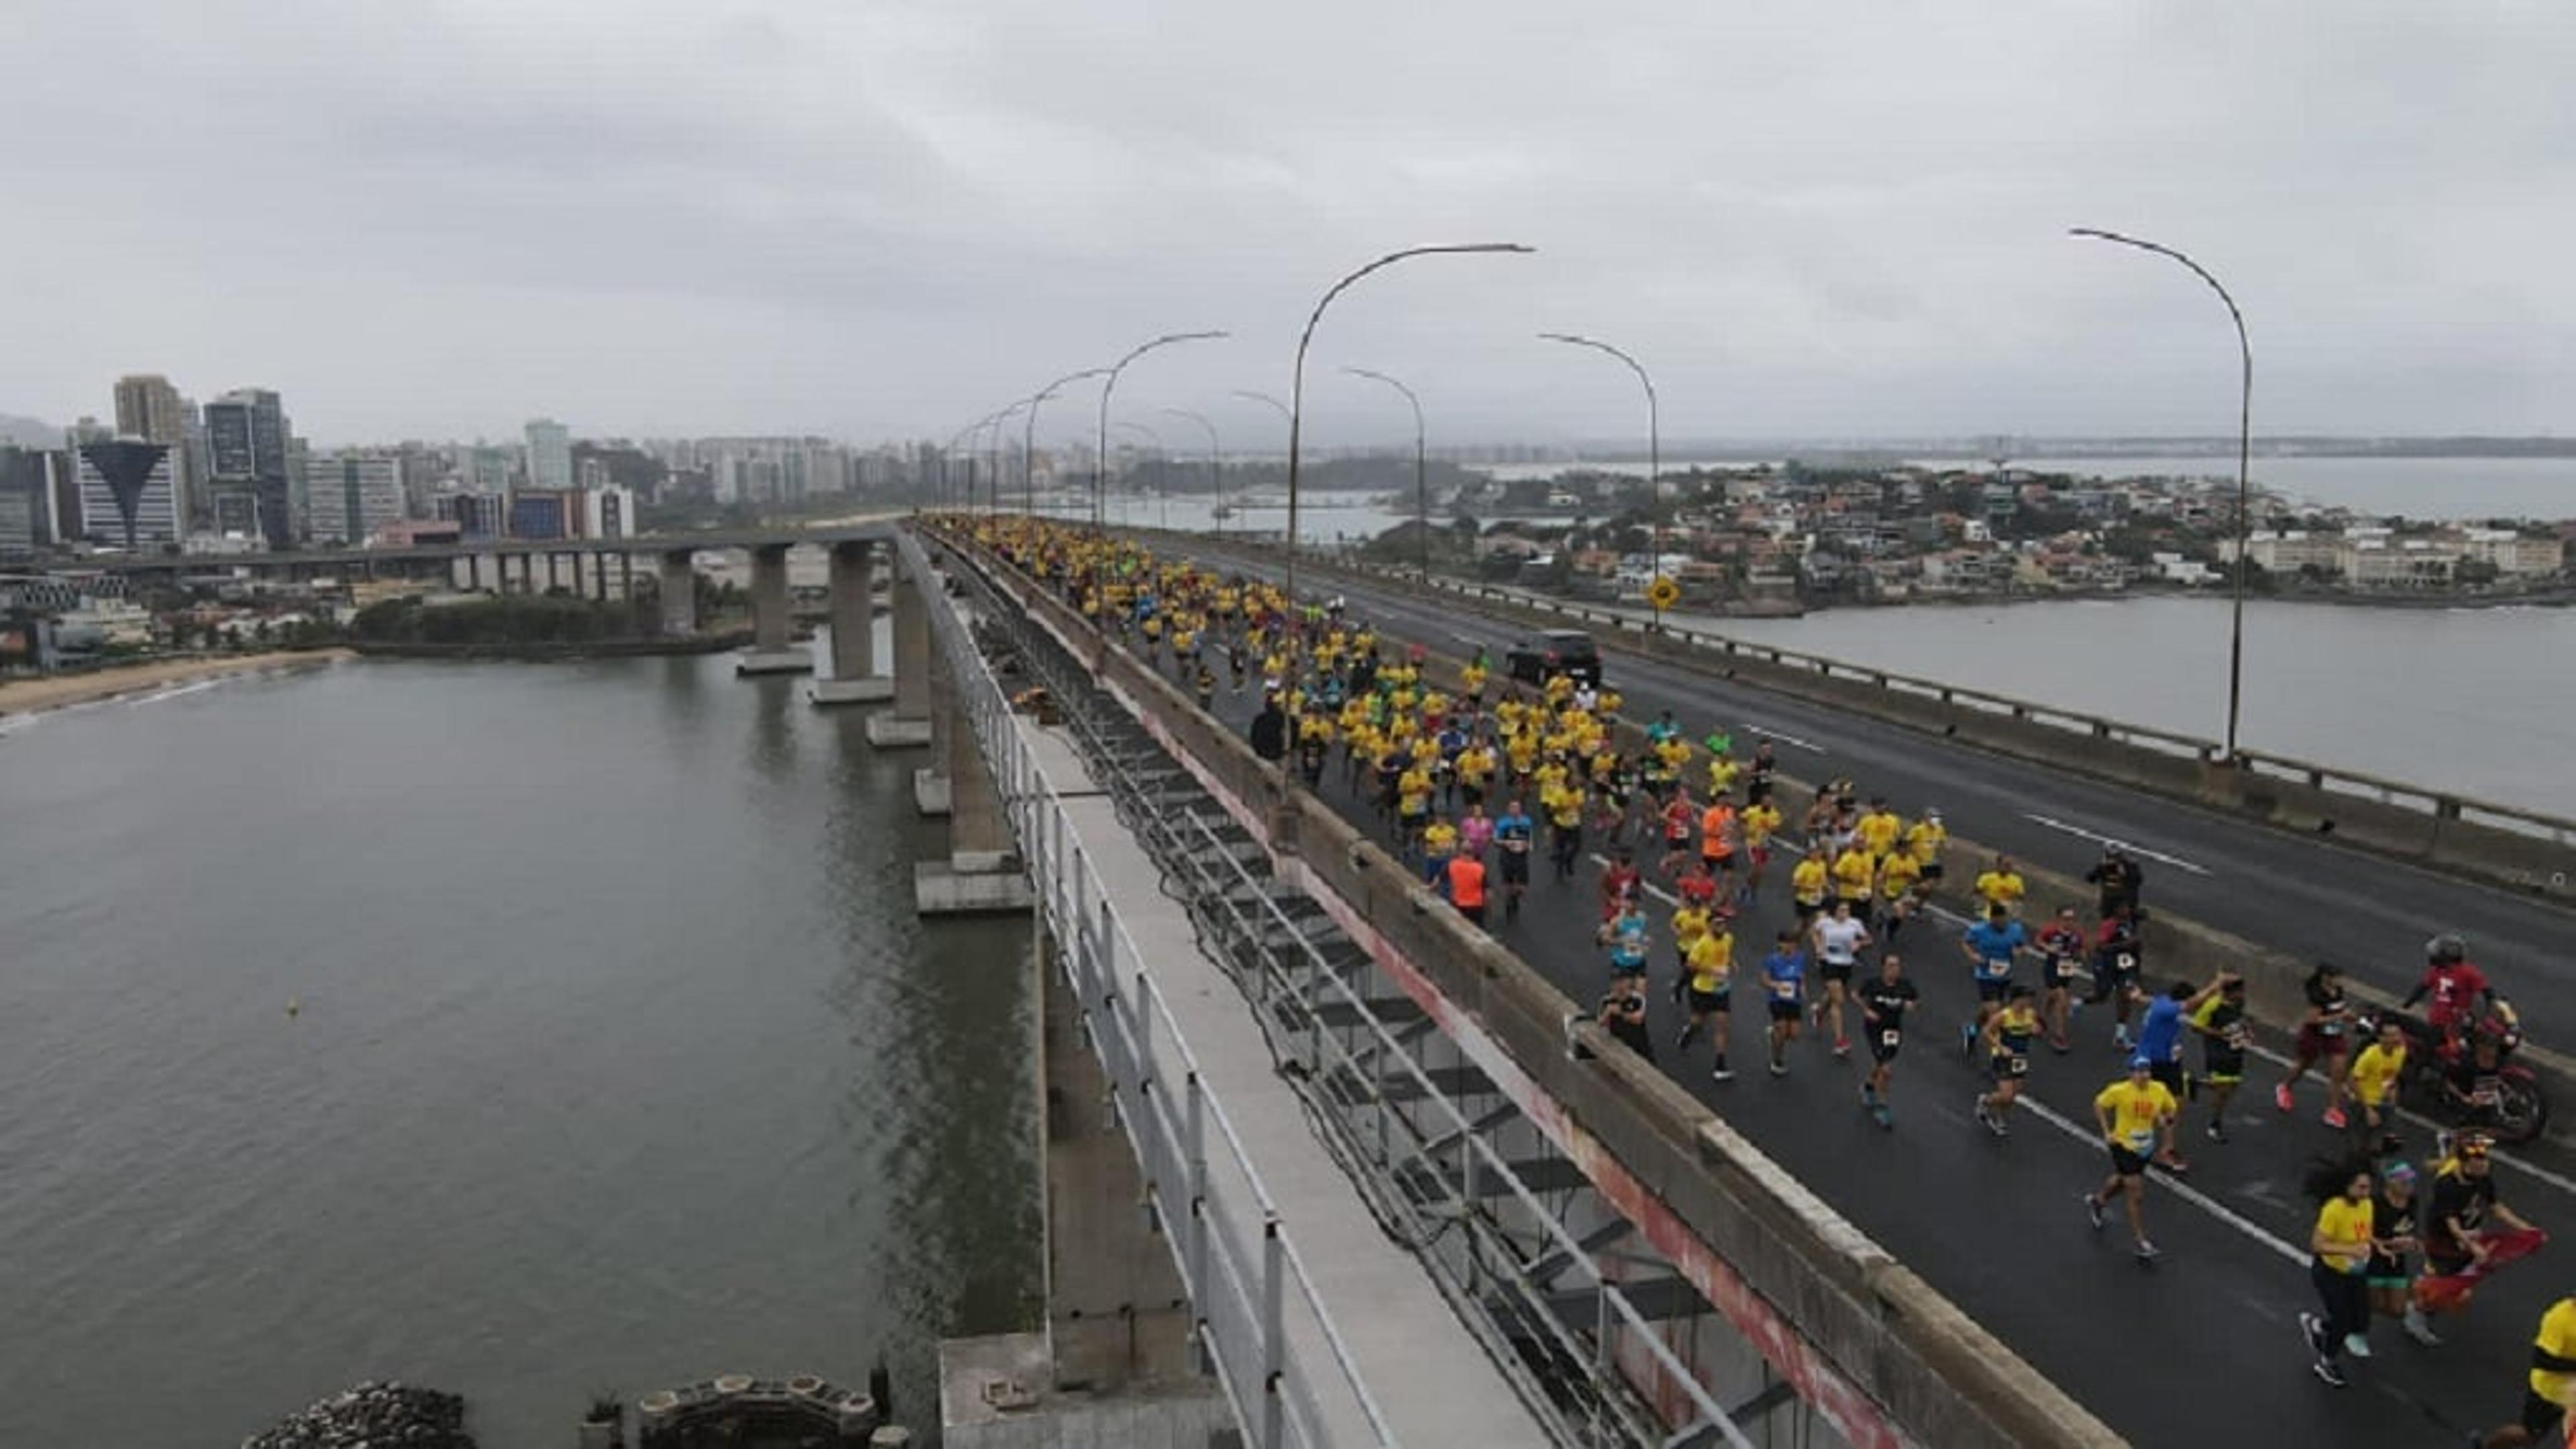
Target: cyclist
1838 939
2224 1039
2324 1035
1784 980
1883 1003
2061 952
2135 1115
2008 1034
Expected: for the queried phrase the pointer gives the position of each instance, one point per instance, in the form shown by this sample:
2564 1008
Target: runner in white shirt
1838 940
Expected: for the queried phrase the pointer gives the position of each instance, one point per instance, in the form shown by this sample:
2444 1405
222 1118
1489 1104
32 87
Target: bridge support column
771 651
599 577
679 580
854 630
982 871
908 723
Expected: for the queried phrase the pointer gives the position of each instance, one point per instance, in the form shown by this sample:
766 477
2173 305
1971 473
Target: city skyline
885 223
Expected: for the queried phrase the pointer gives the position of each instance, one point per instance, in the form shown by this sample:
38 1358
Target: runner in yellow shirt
1760 821
2373 1079
1898 876
2136 1116
2002 885
1880 828
1808 881
2549 1389
1854 872
1708 972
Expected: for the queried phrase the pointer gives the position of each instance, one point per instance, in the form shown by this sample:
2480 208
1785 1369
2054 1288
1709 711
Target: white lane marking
1766 732
2180 1188
2172 860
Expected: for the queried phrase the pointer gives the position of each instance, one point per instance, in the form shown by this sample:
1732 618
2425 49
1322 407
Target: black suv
1554 651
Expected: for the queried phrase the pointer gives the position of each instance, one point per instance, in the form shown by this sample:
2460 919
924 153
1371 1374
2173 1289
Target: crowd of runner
1475 781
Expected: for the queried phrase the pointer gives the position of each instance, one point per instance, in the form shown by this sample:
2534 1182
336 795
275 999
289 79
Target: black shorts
1807 912
1516 867
2539 1416
1784 1010
2007 1067
1883 1045
2127 1163
1931 870
1995 989
1475 913
2223 1067
2061 973
1859 908
1834 970
2170 1073
1707 1003
1415 819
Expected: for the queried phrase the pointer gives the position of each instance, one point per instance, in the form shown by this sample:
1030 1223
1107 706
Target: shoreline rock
373 1416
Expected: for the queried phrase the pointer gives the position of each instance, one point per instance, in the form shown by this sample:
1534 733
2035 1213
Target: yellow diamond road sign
1663 592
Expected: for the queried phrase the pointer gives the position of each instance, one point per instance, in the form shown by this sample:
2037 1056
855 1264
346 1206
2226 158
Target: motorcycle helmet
2446 949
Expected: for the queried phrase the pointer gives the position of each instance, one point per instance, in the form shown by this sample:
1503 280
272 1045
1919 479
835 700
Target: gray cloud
1842 218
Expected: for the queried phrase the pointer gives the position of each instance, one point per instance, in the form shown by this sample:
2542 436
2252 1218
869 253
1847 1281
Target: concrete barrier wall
2427 827
1829 1309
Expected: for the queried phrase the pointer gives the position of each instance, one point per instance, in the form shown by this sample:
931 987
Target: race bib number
2486 1096
2125 961
1785 990
2140 1140
2238 1037
2330 1028
2015 1065
1889 1038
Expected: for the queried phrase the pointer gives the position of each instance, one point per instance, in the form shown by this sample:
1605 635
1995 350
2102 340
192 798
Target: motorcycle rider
2456 987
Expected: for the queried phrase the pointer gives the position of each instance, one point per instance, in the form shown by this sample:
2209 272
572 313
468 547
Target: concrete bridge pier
983 871
854 631
771 651
679 581
908 723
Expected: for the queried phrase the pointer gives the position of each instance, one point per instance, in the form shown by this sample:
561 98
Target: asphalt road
2366 913
2201 1349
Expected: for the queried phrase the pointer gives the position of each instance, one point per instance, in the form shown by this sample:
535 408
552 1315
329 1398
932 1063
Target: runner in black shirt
1623 1012
1884 1001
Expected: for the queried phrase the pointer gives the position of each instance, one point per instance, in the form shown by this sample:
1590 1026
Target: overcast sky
872 219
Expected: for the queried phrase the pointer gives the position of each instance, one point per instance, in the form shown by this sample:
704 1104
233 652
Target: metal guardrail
1426 1162
1238 1294
2441 804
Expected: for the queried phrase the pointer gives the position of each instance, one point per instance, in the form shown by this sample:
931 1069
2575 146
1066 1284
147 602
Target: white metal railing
1237 1262
1286 966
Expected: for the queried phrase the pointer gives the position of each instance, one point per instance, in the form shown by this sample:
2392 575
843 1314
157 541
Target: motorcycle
2508 1103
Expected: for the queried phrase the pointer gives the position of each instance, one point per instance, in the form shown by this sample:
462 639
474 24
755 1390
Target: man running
1990 946
2001 885
1467 886
2461 1215
1808 882
2136 1115
1883 1004
2061 954
1709 972
2116 957
2160 1041
1512 832
2008 1035
2375 1072
1838 939
1784 980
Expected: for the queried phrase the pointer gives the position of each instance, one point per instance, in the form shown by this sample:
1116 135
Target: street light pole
1029 436
2244 460
1421 487
1100 484
1297 379
1216 459
993 488
1276 406
1654 459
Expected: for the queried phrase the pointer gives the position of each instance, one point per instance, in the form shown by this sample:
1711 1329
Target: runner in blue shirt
1784 983
2160 1039
1990 946
1513 830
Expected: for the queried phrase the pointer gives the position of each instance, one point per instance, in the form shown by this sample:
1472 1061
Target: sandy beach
30 696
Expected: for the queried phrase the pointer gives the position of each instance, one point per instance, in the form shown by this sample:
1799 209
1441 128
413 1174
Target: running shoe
1885 1118
2356 1345
1722 1074
2120 1036
2325 1369
1778 1070
2334 1118
1842 1047
2214 1132
2147 1252
2093 1210
2419 1330
2281 1096
2313 1329
1985 1118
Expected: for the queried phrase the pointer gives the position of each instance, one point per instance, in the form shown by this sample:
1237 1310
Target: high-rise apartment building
128 498
246 446
148 407
549 456
349 496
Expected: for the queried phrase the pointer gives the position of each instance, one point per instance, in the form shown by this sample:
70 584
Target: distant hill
29 433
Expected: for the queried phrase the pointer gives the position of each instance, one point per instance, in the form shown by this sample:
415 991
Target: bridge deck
2201 1349
1431 1379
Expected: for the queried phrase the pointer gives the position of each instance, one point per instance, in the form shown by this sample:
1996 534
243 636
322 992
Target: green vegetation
515 620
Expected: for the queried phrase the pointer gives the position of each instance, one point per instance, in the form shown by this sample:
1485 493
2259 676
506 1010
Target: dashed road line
2173 860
